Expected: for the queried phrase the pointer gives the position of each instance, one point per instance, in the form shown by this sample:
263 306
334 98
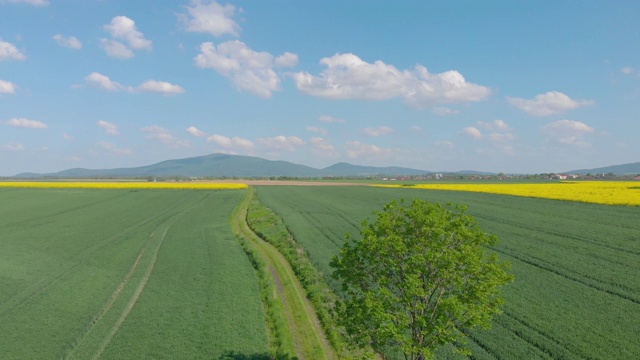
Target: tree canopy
417 278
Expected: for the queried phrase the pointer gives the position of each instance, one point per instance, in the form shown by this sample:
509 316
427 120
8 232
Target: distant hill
220 165
624 169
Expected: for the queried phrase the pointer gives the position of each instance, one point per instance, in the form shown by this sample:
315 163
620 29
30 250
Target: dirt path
308 336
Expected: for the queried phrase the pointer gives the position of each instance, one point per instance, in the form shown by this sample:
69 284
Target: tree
417 279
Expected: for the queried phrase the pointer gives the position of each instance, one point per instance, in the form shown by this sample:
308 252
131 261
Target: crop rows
125 274
576 293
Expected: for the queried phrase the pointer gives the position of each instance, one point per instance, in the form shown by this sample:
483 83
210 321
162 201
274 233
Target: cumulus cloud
472 132
627 70
349 77
498 131
160 87
322 147
378 131
230 143
288 143
568 132
550 103
113 148
210 17
8 51
248 69
29 2
330 119
26 123
109 128
195 131
164 136
7 87
286 60
318 130
356 149
13 146
67 137
443 111
495 136
104 82
70 42
116 49
124 29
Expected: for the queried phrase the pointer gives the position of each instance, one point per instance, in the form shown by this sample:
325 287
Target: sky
501 86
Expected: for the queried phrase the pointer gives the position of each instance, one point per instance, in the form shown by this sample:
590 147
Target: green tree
417 279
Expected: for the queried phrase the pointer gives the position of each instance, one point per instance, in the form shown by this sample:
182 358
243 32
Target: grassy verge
283 287
270 227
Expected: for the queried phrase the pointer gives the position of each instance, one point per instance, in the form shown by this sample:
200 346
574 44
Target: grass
125 274
576 293
304 337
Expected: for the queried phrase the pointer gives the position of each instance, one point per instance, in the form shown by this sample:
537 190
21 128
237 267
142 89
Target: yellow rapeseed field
123 185
599 192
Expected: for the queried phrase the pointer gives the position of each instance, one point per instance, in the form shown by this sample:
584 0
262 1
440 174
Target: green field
122 274
577 289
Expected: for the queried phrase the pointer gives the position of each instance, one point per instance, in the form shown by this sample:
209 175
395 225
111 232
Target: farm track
159 234
304 326
22 298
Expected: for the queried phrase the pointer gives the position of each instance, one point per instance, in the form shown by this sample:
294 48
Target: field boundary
304 327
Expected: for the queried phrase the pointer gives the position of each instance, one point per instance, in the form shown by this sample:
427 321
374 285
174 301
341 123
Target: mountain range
225 165
624 169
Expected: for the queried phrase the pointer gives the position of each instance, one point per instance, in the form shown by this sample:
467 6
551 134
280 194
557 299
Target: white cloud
472 132
281 142
210 17
322 147
286 60
70 42
67 137
109 128
160 87
13 146
356 149
330 119
116 49
8 51
550 103
496 125
627 70
195 131
378 131
230 143
164 136
499 131
349 77
113 149
26 123
248 69
7 87
30 2
103 82
443 111
123 28
568 132
318 130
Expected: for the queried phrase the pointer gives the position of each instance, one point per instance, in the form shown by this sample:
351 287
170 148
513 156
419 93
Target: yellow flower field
123 185
599 192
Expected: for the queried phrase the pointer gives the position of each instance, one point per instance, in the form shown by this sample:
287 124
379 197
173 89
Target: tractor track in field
308 336
22 298
164 229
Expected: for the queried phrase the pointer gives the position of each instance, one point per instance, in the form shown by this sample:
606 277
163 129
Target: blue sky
502 86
